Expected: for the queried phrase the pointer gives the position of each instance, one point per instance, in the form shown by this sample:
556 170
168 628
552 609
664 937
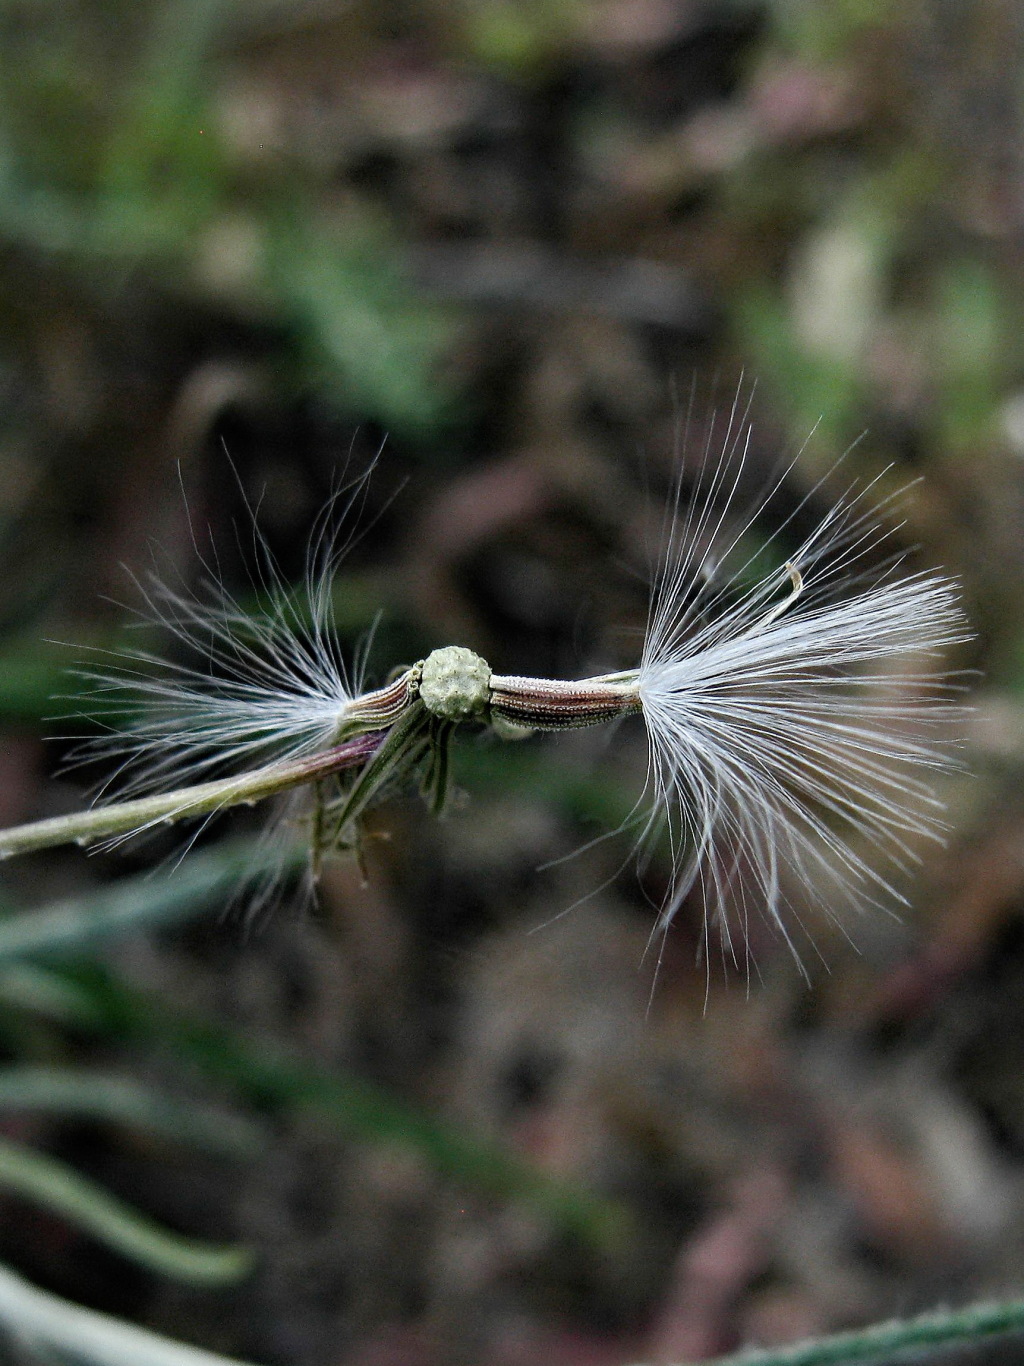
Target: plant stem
396 715
882 1341
41 1317
109 1098
164 808
45 1181
132 905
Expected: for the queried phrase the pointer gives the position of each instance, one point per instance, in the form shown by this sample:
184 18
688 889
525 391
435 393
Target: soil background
458 1106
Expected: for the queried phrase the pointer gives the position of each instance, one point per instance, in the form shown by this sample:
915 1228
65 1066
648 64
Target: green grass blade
269 1076
921 1339
146 902
120 1100
97 1338
58 1188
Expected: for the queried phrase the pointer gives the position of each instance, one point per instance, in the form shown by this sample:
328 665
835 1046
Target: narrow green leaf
140 903
270 1076
883 1342
58 1188
99 1096
89 1336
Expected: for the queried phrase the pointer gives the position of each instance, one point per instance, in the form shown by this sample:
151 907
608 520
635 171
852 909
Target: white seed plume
255 686
792 715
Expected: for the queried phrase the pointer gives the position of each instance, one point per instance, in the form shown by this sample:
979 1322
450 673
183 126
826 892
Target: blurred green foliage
89 996
245 185
113 162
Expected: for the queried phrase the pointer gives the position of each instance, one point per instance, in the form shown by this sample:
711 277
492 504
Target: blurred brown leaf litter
494 240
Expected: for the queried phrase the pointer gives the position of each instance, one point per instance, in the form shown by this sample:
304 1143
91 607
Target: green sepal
436 783
397 757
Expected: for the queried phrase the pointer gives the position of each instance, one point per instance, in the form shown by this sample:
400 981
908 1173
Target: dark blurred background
244 247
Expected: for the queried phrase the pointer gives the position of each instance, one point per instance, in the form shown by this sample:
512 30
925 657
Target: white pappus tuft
793 713
256 683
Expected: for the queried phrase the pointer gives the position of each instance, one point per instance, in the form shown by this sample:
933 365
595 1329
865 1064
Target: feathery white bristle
792 721
269 684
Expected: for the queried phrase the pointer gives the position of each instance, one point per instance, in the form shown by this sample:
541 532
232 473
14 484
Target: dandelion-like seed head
796 701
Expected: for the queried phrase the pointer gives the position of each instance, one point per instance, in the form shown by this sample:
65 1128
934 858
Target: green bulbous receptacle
455 683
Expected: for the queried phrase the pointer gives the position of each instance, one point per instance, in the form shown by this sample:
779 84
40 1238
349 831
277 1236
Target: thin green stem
109 1098
390 734
120 819
41 1317
48 1182
883 1341
437 779
402 748
145 903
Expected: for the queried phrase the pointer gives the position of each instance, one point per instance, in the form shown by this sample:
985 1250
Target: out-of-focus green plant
113 160
56 1187
520 38
93 998
85 1094
130 907
273 1078
866 280
66 1332
974 347
27 985
923 1339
